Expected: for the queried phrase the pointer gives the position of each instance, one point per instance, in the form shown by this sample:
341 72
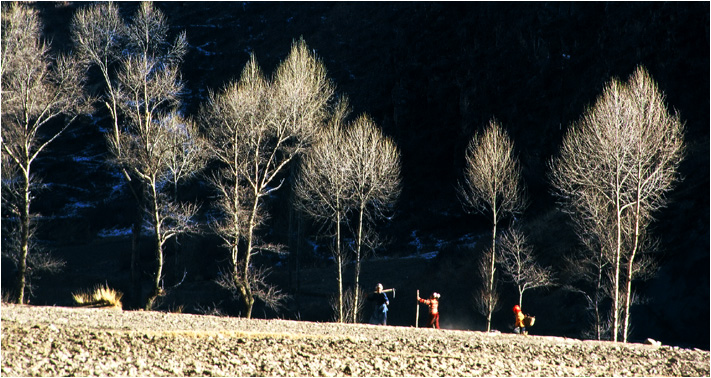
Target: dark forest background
430 74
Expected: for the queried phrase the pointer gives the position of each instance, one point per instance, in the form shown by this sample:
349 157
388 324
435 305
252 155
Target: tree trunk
491 275
598 289
158 246
359 244
24 240
630 262
247 296
616 278
339 261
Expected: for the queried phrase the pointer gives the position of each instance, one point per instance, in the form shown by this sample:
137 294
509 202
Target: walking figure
433 304
521 321
380 314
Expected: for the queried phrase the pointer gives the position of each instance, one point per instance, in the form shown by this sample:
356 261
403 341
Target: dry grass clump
101 296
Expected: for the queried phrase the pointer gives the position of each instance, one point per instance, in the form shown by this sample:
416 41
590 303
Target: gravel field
59 341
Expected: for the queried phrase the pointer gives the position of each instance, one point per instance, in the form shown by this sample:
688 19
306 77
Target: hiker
519 326
433 304
380 314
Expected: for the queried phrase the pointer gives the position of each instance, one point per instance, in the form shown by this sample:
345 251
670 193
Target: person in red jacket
433 304
519 326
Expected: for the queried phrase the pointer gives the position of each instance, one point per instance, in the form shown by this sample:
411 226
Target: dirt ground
60 341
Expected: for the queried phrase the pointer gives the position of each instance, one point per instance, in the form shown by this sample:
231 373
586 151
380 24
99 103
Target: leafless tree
492 186
615 167
37 90
257 127
99 36
149 154
351 169
140 68
374 182
519 264
323 191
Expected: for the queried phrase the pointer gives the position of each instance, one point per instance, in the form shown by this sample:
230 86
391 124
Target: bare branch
519 264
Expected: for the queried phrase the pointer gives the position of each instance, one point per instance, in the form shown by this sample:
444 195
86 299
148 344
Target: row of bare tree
615 166
253 129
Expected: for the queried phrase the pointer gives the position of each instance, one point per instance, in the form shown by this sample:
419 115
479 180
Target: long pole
417 311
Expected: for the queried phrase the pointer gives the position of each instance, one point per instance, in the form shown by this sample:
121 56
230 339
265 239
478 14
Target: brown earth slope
57 341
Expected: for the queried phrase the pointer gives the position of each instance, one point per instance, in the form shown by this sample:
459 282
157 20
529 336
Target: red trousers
434 321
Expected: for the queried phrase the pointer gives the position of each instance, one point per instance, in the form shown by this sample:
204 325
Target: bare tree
615 167
519 263
355 170
257 127
374 181
99 36
140 68
149 154
491 186
240 112
323 191
37 90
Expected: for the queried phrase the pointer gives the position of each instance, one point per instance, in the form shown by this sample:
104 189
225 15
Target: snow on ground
114 232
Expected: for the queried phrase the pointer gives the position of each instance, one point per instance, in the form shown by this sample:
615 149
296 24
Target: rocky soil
58 341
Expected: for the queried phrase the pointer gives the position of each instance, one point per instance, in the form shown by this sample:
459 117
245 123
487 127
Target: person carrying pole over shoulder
380 313
433 304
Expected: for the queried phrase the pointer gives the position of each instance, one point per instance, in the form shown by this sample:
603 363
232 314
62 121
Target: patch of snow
423 256
416 242
441 244
71 210
314 246
106 233
89 159
203 51
80 205
468 240
428 255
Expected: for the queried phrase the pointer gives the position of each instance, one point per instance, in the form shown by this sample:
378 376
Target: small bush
101 296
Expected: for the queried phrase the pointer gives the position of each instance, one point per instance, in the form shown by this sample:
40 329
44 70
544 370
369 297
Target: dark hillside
430 74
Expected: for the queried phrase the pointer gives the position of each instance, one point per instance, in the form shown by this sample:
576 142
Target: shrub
101 296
